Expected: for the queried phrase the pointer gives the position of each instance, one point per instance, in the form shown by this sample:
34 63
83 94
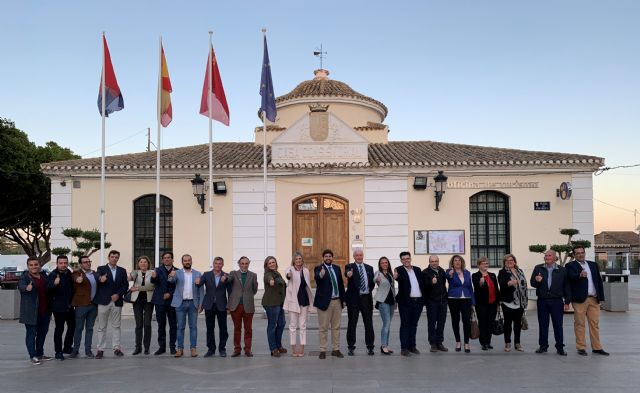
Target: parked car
10 278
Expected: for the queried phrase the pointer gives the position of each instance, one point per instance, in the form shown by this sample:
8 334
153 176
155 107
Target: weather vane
319 53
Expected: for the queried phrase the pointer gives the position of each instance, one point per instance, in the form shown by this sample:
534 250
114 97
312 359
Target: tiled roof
270 128
325 87
371 126
617 239
418 154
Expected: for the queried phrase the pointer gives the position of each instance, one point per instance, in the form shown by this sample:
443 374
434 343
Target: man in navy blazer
329 301
187 299
161 299
410 302
586 294
112 286
359 301
215 307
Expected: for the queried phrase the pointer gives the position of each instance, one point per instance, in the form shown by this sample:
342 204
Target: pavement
479 371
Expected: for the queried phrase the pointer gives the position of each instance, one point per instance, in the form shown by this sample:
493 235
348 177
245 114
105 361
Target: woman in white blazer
298 301
141 293
385 300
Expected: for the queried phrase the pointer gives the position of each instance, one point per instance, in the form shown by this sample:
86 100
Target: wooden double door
321 221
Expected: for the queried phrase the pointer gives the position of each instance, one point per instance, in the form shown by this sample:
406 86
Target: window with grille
144 226
490 229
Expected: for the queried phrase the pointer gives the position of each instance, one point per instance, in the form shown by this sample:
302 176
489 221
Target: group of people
78 298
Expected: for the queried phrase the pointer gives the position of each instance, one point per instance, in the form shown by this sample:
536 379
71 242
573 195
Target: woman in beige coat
298 301
141 293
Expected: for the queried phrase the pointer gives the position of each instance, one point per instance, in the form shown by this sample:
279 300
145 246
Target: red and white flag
214 102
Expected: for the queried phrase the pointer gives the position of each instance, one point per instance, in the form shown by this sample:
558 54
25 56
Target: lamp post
441 185
199 190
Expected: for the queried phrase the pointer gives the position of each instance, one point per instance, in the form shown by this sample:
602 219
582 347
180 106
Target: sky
544 75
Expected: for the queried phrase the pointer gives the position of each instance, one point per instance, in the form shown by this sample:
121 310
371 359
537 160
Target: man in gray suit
244 285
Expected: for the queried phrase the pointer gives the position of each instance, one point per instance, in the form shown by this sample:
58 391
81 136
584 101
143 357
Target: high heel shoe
458 347
382 351
467 349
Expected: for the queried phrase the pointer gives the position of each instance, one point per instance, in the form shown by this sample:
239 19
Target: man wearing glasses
84 286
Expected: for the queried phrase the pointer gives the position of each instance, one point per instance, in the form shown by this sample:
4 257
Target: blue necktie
363 279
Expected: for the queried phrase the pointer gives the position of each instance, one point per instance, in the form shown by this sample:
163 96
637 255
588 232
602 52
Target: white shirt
415 287
591 291
187 292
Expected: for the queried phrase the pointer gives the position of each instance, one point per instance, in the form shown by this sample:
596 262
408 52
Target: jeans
62 318
409 317
436 318
187 308
85 316
386 313
210 317
142 311
275 326
36 334
165 312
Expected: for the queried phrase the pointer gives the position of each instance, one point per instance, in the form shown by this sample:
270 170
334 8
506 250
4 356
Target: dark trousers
512 316
436 317
85 317
364 307
62 318
142 311
486 314
460 309
409 316
210 318
165 312
36 335
553 308
241 319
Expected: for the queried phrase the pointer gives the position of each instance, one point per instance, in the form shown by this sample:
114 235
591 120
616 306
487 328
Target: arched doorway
321 221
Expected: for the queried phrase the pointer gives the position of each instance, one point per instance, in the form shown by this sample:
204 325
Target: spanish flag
164 90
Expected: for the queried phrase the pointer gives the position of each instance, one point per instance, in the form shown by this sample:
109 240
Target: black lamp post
441 186
199 190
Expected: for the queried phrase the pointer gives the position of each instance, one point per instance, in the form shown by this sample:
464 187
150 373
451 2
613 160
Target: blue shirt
550 273
114 270
92 281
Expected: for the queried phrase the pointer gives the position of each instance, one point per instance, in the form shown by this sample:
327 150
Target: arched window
490 229
144 226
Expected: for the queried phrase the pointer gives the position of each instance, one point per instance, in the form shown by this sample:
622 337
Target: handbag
127 297
497 327
525 323
475 329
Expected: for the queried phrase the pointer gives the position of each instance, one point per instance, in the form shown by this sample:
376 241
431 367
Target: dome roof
322 86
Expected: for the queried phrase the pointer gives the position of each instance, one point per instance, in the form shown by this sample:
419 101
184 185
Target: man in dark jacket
215 306
329 301
161 299
60 285
554 294
359 301
410 302
35 312
586 294
112 286
435 299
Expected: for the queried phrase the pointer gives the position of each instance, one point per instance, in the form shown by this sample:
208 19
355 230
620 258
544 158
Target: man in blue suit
410 302
359 301
112 286
187 299
586 294
329 301
215 306
161 299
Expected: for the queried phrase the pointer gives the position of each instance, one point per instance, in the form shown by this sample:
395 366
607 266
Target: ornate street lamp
441 186
199 190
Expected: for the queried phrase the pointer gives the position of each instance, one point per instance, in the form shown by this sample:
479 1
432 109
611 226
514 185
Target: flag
213 86
114 101
266 87
166 111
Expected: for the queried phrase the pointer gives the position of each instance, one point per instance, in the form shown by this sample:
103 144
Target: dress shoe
208 354
275 353
159 352
322 355
458 347
223 353
89 354
467 349
405 352
385 351
350 352
282 350
442 348
173 351
67 351
434 348
248 354
490 346
138 351
44 358
235 354
370 352
485 348
337 354
35 361
541 350
146 351
179 353
582 352
118 353
600 352
414 350
100 355
194 353
74 354
59 356
561 352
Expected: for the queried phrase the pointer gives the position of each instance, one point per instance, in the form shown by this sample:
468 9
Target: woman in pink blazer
298 301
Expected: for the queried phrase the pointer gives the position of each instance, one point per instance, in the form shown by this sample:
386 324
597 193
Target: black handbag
497 327
127 297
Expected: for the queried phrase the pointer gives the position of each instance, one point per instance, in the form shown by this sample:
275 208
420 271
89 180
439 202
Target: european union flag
268 106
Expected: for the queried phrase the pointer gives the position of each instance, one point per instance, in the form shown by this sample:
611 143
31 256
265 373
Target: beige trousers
591 310
109 315
298 322
330 317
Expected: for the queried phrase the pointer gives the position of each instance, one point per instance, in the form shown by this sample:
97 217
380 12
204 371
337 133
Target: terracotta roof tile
617 238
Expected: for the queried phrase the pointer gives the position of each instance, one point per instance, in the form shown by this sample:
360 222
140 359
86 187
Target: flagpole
264 170
209 107
102 164
157 234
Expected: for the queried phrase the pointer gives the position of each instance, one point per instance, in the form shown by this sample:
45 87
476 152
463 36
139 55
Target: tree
87 242
565 250
25 193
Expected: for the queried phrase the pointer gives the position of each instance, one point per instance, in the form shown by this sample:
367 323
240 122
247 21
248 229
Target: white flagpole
102 165
209 107
264 171
157 237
